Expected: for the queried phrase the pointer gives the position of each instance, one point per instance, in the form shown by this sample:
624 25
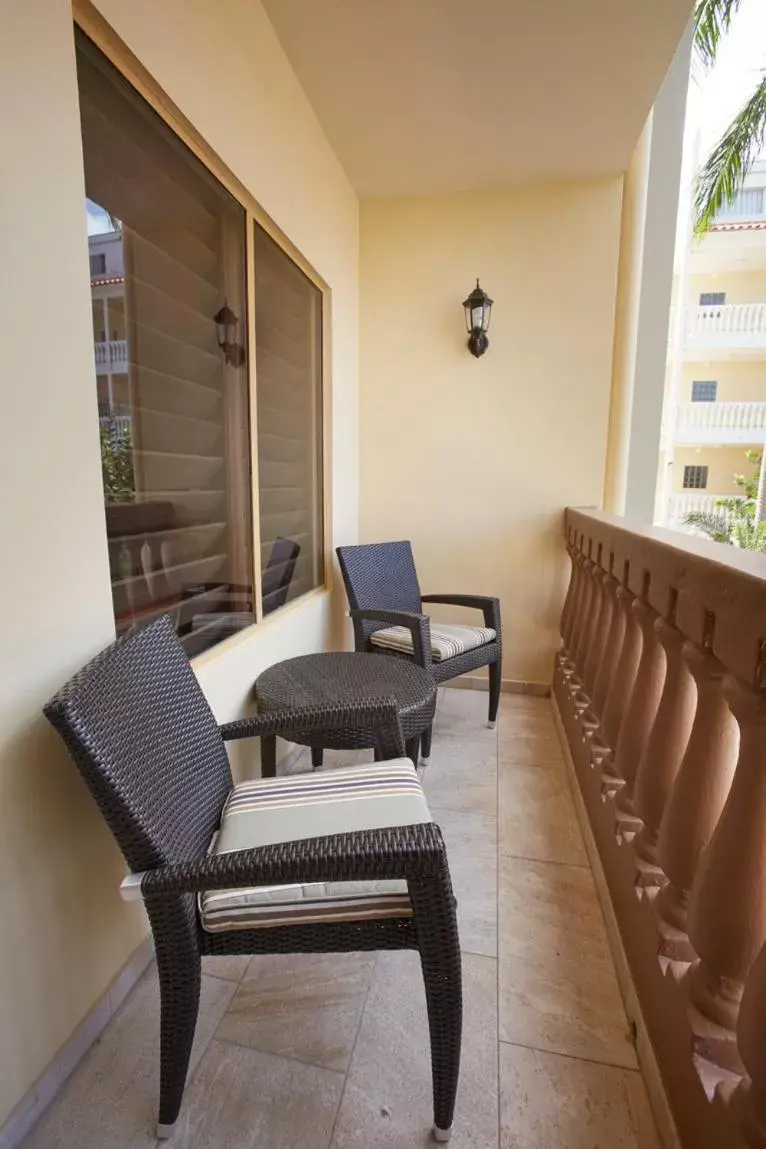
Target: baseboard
663 1114
38 1098
507 686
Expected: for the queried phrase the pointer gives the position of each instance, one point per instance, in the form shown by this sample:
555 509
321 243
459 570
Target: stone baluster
571 598
727 910
666 745
644 700
701 788
620 689
749 1101
572 618
592 569
582 622
600 633
612 649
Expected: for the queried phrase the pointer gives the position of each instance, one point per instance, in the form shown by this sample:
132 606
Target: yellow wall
723 463
743 382
65 933
474 460
739 286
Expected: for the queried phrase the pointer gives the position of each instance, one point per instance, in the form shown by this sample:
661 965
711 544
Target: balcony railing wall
661 693
727 319
720 423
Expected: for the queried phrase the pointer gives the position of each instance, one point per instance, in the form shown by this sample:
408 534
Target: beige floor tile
531 750
387 1101
463 713
558 986
537 816
230 967
303 1006
471 841
244 1099
529 704
460 776
547 1100
111 1098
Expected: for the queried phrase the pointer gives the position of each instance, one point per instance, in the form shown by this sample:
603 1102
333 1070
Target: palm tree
733 156
737 520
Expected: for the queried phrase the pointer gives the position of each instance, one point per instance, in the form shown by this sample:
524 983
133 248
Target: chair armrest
377 714
409 852
490 607
419 626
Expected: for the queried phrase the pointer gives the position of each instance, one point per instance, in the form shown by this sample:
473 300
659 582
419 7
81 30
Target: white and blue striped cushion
272 810
447 640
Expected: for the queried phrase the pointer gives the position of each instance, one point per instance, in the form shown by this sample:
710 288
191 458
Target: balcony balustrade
660 690
111 356
719 423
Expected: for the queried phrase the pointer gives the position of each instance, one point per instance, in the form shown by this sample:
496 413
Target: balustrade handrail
739 318
731 415
708 577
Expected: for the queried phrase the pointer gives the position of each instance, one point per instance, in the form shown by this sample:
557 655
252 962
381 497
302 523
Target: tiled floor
332 1051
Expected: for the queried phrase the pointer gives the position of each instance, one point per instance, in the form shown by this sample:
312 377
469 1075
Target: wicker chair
387 612
140 731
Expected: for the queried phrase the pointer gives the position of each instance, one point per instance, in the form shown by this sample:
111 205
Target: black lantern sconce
226 323
478 311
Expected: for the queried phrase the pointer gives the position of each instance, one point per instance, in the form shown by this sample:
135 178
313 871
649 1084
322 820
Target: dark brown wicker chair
138 727
383 591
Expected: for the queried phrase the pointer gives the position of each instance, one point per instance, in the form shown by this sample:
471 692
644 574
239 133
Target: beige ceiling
422 96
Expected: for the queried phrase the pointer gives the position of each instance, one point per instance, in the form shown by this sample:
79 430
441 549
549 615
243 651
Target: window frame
699 467
96 28
700 385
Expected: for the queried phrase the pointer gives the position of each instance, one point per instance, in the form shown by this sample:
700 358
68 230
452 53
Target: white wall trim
38 1098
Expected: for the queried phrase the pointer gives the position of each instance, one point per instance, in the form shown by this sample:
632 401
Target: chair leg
179 969
439 946
495 678
412 748
269 756
317 757
425 743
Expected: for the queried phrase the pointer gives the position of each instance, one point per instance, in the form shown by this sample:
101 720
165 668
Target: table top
345 677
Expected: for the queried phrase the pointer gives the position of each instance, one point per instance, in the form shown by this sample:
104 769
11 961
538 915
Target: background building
715 407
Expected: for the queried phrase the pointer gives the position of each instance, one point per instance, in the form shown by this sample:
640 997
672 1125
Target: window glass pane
748 202
712 299
167 251
704 390
695 477
288 351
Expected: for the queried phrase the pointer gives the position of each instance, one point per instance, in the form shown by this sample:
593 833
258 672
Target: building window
288 354
98 264
175 441
747 204
712 299
704 391
695 478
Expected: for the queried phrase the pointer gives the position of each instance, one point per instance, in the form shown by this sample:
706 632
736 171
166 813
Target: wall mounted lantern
478 310
226 323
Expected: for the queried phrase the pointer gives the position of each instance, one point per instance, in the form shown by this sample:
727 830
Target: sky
716 96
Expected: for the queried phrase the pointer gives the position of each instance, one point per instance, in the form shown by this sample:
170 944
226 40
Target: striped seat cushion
447 640
272 810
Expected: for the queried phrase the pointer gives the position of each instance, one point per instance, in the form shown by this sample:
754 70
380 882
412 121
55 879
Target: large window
168 257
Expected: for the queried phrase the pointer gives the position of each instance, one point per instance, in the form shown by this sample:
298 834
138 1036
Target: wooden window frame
94 25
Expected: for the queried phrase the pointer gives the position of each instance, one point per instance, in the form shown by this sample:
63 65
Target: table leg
412 747
317 757
269 756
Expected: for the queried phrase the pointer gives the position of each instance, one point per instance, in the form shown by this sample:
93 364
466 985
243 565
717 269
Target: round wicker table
345 677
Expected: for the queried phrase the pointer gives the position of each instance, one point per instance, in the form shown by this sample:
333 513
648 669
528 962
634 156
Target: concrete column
652 188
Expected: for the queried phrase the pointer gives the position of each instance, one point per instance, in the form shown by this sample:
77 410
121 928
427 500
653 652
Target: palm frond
716 527
730 160
712 19
749 536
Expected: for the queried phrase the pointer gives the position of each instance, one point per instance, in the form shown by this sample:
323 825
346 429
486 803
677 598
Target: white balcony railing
116 424
720 423
694 502
112 355
727 318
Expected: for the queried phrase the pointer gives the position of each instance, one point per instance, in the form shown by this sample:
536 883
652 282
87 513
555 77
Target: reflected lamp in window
173 409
